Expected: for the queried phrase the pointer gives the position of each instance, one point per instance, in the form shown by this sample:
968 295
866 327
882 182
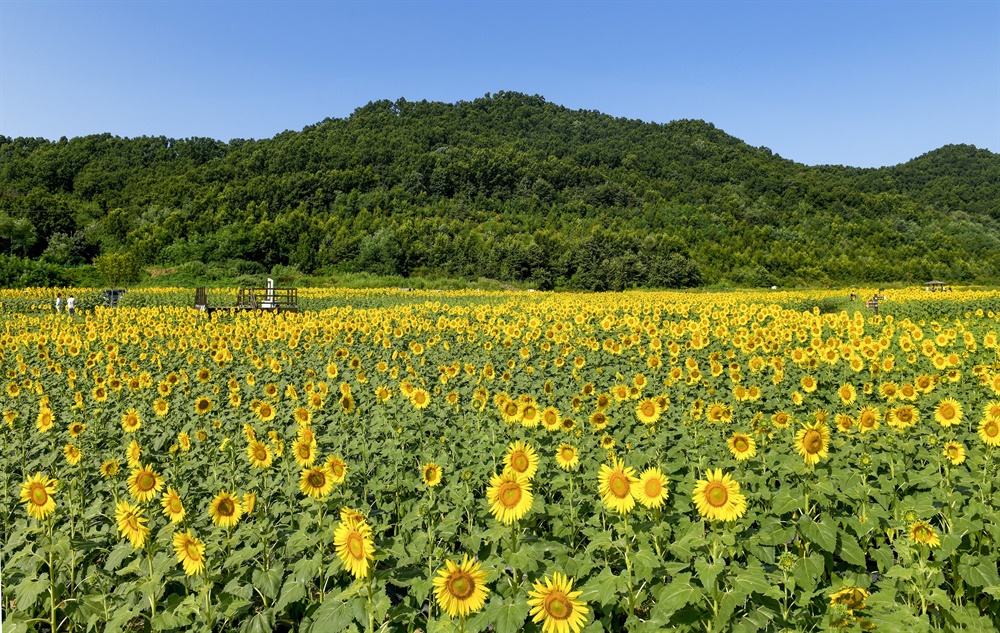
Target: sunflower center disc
260 453
226 508
38 495
510 494
356 546
316 480
619 485
653 488
557 606
717 494
567 454
461 585
519 462
145 482
813 442
741 445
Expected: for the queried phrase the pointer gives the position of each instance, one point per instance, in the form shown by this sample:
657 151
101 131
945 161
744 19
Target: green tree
118 269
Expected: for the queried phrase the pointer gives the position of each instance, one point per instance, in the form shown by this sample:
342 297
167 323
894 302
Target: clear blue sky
855 83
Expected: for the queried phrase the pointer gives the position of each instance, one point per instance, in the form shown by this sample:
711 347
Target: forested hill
509 187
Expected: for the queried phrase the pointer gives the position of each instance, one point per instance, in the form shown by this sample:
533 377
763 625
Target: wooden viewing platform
268 299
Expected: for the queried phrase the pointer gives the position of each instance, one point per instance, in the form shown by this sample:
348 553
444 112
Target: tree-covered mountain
508 186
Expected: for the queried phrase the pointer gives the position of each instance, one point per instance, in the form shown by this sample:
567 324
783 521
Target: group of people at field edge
70 304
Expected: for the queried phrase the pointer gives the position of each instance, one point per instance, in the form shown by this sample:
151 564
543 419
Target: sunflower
131 422
225 510
184 441
848 394
265 412
528 414
989 431
202 405
461 589
868 419
45 420
431 473
742 446
851 598
353 541
144 483
76 429
812 442
315 482
305 452
337 468
131 523
420 398
109 468
651 490
904 416
955 453
509 495
303 416
718 497
615 486
38 493
259 454
607 442
888 391
647 411
948 412
72 454
922 533
249 502
599 420
555 604
567 457
522 459
844 422
190 552
173 509
781 420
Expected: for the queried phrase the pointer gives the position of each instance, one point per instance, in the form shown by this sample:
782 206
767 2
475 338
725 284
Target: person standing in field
58 302
71 305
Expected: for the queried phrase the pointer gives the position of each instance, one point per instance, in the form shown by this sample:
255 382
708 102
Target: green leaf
707 572
117 555
752 580
602 588
28 591
981 574
850 551
292 591
675 596
269 582
507 617
823 534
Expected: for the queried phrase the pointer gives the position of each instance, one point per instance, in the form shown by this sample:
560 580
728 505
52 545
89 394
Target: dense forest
508 187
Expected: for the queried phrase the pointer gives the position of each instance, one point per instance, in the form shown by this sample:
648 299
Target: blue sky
838 82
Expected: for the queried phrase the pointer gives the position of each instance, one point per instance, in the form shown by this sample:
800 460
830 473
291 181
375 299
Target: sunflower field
471 461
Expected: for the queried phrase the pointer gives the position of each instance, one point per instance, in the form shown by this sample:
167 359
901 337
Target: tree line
508 187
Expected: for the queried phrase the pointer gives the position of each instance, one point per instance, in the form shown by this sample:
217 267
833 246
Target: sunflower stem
52 576
322 567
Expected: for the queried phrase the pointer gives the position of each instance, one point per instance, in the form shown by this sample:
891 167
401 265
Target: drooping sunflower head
615 482
718 497
431 473
509 494
922 533
851 598
460 589
554 603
